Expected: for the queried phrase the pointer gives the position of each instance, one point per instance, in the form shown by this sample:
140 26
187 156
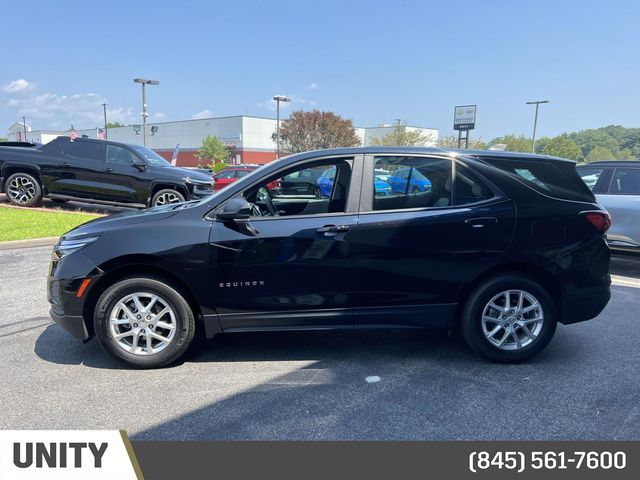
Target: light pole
278 99
104 109
144 83
535 122
24 128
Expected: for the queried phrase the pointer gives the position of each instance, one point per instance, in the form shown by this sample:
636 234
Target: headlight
200 184
67 246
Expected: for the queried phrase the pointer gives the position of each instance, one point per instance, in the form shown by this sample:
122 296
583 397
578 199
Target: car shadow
371 347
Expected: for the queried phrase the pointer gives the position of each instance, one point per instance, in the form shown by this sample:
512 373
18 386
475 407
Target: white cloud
83 110
313 86
20 85
203 114
297 102
159 116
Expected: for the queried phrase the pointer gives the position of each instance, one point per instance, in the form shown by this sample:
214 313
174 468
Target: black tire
472 312
166 193
184 321
28 192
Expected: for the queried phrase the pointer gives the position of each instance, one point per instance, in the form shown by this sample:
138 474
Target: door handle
109 170
63 164
480 221
331 230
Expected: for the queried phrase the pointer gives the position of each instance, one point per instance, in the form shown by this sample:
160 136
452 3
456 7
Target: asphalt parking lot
313 386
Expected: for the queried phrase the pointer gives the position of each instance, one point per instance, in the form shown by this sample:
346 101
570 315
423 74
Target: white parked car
616 185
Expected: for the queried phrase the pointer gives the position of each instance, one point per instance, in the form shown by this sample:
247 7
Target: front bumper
63 284
75 325
197 194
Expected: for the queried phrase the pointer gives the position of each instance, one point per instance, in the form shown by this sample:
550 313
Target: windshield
150 156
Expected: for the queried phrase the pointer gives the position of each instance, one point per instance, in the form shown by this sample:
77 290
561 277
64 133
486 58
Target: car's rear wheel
509 319
23 190
144 321
166 196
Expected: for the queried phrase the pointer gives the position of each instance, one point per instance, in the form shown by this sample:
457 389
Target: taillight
600 220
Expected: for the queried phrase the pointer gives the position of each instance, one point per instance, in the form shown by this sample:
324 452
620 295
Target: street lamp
278 99
535 122
144 83
104 110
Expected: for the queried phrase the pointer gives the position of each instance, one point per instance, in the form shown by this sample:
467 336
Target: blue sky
370 61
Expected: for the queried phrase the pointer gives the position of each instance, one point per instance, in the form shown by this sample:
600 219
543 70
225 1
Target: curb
29 243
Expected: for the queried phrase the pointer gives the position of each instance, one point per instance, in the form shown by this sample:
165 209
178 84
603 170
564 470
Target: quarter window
626 181
412 182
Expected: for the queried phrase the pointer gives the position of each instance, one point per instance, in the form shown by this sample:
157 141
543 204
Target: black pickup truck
97 171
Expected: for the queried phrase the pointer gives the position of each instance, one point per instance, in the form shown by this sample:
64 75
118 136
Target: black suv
96 171
499 246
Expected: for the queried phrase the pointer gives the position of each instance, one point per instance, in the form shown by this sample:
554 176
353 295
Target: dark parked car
502 247
96 171
616 186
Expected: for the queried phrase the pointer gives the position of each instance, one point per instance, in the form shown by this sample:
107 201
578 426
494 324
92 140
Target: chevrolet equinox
499 246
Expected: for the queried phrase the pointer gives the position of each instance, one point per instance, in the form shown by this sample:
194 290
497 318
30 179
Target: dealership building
250 139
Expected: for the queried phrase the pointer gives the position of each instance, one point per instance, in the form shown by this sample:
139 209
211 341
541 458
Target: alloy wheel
142 323
512 319
21 189
168 197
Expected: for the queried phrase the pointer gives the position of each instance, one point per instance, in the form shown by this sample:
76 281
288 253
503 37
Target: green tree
514 143
599 153
114 124
626 154
451 141
4 139
316 130
401 136
213 150
563 146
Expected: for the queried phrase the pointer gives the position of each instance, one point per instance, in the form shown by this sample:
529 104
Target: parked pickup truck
97 171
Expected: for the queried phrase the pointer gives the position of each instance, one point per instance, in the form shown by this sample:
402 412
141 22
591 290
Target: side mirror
139 164
235 209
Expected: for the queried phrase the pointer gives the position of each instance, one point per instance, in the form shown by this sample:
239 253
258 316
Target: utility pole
24 128
104 108
535 122
278 99
144 83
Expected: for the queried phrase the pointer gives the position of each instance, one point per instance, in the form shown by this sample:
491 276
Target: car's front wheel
166 196
144 321
509 319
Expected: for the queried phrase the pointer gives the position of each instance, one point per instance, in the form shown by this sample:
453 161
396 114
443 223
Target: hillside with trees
606 143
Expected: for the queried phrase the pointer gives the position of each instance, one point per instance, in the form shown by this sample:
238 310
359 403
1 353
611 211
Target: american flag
100 134
73 134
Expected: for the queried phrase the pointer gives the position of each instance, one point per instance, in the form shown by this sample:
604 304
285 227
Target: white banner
66 455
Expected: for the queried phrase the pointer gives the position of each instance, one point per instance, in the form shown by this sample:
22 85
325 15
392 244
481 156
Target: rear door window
625 181
89 150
